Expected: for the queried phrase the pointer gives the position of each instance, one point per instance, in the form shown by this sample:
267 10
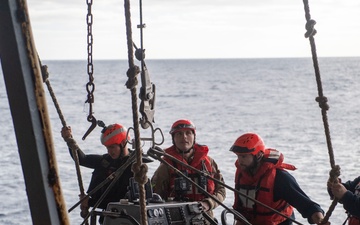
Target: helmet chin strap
257 158
122 147
187 151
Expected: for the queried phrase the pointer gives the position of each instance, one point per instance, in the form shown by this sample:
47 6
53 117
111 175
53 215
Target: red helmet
114 134
248 143
182 124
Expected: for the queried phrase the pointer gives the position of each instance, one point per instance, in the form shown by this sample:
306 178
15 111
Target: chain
90 86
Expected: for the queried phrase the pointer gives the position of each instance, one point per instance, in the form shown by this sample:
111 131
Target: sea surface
223 97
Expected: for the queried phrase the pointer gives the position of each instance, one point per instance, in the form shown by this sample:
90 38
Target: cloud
196 29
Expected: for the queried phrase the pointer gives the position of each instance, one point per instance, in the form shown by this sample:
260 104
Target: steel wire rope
113 177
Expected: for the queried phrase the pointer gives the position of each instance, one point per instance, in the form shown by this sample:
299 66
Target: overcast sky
196 28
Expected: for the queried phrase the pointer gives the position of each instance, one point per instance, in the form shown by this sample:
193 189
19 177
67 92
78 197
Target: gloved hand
66 132
159 149
338 190
334 174
205 206
84 206
153 152
329 186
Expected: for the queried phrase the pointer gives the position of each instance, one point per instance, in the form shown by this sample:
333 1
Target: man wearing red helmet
114 137
169 185
261 175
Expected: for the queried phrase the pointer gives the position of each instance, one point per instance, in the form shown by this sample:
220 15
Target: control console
169 213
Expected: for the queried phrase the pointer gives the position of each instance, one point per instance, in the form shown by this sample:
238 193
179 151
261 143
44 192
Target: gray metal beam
23 94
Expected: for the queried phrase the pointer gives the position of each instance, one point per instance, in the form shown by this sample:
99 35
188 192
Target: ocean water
224 98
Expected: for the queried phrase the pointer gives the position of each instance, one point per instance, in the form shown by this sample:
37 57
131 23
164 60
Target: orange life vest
201 161
353 220
261 187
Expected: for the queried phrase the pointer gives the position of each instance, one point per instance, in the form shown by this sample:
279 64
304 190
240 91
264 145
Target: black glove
329 182
153 152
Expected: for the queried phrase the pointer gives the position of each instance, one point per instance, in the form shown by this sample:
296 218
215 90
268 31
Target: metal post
27 102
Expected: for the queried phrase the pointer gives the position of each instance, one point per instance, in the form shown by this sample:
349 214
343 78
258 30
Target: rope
322 100
156 153
113 178
139 169
71 143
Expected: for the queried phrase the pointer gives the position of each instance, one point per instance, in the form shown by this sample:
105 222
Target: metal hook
92 126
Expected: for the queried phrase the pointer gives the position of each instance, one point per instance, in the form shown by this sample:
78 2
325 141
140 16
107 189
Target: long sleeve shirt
351 198
103 166
287 188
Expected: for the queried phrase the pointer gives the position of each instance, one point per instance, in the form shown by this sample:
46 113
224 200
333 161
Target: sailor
261 175
348 194
169 185
114 137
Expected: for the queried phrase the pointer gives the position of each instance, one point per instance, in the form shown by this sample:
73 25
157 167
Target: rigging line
138 168
177 171
141 26
155 152
117 173
73 146
114 177
322 100
45 75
